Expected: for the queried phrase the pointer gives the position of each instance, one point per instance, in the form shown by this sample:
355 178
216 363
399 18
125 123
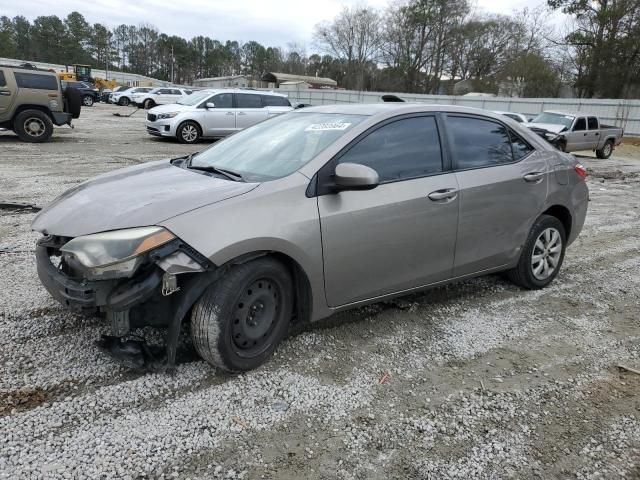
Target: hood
130 197
549 127
172 107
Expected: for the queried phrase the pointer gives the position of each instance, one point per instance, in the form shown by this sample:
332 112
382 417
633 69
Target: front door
577 138
400 235
249 110
7 94
219 121
503 187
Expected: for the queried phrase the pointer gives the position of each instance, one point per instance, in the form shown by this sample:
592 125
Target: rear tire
87 101
606 150
188 132
33 126
542 255
239 321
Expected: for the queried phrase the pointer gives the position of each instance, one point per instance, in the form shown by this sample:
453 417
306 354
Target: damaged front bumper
160 293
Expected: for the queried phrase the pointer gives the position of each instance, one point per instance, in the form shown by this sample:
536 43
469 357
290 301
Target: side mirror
210 105
353 176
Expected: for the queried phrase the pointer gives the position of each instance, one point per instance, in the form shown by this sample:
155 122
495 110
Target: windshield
194 99
554 118
277 147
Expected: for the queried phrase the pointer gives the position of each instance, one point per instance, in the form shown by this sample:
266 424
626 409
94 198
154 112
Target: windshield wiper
230 174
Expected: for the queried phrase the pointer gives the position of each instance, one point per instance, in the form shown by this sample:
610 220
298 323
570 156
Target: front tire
123 102
87 101
542 255
606 150
188 132
148 103
33 126
239 321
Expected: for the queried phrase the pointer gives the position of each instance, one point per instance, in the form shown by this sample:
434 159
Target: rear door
593 133
503 188
401 234
220 120
7 92
249 110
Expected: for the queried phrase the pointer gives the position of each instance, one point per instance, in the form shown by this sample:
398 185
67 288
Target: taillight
580 170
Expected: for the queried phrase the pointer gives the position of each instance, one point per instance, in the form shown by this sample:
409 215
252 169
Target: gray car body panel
355 247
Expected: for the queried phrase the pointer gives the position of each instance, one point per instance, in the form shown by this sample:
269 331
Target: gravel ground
474 380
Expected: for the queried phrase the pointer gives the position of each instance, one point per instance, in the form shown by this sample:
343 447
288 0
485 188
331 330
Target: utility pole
172 62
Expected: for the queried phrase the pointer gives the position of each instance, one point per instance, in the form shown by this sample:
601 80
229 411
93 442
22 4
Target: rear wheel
239 321
606 150
33 126
188 132
542 255
87 101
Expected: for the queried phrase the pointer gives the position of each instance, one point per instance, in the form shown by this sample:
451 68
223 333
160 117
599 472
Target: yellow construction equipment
82 73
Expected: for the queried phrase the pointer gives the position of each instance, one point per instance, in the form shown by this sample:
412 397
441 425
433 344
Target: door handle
533 177
241 113
444 194
230 113
5 93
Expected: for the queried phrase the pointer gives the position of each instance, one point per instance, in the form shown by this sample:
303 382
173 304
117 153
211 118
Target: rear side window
514 117
3 81
581 124
176 92
245 100
400 150
274 101
479 143
520 148
593 123
39 82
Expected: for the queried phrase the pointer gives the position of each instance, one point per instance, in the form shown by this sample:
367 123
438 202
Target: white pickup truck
571 132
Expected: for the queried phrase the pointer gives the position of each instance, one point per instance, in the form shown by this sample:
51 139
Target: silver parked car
313 212
214 113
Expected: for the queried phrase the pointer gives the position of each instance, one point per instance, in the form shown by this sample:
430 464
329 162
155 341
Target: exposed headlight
551 136
117 253
167 115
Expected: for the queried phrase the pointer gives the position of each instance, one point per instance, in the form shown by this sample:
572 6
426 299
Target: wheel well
303 298
22 108
562 214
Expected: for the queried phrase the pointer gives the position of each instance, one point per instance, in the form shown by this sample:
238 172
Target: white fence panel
622 113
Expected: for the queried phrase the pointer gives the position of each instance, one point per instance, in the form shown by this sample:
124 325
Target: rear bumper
61 118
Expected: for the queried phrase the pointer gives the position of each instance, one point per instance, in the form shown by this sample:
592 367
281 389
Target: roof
241 90
400 107
274 77
229 77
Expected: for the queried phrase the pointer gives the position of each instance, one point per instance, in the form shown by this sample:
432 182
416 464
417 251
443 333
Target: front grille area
151 117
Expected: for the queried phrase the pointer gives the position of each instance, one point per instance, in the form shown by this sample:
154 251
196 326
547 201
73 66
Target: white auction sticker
317 127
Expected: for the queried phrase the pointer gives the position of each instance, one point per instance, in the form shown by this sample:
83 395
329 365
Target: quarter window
593 123
223 100
38 82
479 143
3 82
520 148
400 150
246 100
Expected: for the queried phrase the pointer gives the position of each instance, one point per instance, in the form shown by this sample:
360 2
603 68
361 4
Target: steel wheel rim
255 317
546 253
34 127
189 133
607 150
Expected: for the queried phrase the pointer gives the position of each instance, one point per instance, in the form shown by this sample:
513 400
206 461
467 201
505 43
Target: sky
270 22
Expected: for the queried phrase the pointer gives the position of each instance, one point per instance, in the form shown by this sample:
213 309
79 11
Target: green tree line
416 46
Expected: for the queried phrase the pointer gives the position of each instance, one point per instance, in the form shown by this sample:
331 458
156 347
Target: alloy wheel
546 253
189 133
34 127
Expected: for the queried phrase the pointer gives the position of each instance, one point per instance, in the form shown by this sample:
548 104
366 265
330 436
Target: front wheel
606 150
542 255
239 321
188 132
87 101
124 101
148 103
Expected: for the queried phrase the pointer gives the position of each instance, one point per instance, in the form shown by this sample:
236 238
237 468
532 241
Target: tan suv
32 102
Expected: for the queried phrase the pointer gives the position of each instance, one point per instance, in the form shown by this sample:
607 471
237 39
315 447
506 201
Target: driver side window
223 100
581 124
